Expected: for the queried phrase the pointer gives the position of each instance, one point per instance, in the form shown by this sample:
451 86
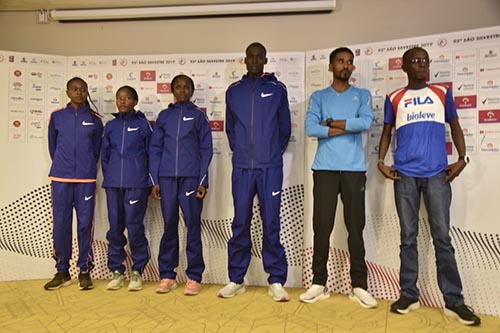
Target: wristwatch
464 158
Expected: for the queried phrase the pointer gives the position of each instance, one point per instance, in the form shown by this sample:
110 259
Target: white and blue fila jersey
419 117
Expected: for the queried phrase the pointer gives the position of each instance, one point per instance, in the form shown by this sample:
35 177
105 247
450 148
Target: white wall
353 22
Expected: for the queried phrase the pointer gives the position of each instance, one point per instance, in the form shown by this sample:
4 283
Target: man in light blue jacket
337 116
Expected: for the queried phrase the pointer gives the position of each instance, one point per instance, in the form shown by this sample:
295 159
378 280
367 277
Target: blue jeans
437 199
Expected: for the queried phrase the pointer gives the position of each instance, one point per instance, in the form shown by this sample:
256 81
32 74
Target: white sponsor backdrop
34 84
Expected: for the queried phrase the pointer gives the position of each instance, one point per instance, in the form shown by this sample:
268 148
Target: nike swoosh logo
263 95
275 193
484 101
460 87
133 202
87 198
84 123
132 129
189 193
187 118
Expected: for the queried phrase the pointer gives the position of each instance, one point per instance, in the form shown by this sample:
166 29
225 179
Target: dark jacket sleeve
155 150
285 125
229 122
206 148
52 138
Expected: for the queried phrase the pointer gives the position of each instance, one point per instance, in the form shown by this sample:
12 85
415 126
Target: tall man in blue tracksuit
258 129
75 135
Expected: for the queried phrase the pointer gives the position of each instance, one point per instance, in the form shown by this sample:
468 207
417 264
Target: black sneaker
84 281
404 304
61 279
463 313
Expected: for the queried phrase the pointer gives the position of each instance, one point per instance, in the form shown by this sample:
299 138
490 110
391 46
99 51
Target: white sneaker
117 281
278 293
231 289
363 298
315 293
135 283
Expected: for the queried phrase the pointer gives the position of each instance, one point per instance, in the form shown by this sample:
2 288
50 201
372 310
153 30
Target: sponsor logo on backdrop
465 55
163 88
463 87
489 116
441 74
442 59
217 125
490 54
489 85
148 75
36 112
466 102
491 100
465 71
490 69
395 63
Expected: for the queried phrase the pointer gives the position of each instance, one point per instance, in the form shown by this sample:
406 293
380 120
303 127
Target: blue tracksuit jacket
254 110
181 145
74 144
125 149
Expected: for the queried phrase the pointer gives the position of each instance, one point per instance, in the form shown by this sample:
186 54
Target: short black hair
131 90
180 76
408 52
338 50
74 79
256 44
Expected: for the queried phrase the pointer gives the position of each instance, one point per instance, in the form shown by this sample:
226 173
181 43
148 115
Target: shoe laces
135 277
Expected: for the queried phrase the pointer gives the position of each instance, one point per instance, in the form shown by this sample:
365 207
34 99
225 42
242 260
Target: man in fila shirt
418 113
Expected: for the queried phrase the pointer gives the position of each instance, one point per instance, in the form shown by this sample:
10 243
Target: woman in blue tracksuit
180 153
75 134
124 159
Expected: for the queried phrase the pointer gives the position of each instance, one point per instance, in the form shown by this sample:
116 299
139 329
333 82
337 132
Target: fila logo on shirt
418 101
419 115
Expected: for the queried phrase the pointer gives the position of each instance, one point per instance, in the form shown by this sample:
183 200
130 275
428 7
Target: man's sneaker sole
64 284
413 306
318 298
114 287
452 314
237 292
354 298
85 287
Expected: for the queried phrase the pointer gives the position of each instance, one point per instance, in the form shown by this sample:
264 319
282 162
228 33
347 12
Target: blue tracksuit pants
126 209
267 184
65 197
175 192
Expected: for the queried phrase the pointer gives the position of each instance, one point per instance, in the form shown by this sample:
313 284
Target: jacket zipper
75 142
177 143
121 153
254 82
